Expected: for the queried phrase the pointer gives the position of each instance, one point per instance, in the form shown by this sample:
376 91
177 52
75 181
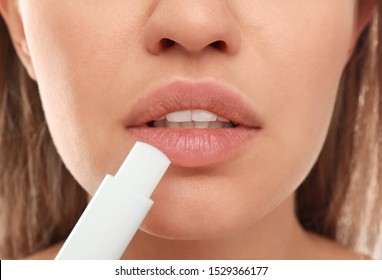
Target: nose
193 26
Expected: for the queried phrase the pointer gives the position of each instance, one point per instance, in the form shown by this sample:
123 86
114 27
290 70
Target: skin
94 59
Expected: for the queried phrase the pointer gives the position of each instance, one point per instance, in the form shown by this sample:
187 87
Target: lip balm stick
118 208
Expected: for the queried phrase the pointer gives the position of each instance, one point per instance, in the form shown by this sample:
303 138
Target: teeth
219 125
187 125
180 116
190 125
192 115
189 119
203 116
201 124
170 124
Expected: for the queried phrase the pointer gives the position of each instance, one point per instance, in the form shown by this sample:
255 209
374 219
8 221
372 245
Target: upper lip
182 94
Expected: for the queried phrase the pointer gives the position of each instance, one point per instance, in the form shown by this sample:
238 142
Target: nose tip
192 26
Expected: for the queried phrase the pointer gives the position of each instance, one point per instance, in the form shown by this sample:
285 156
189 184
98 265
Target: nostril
166 43
220 45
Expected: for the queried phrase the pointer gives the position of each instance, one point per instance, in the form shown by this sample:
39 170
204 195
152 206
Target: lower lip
196 147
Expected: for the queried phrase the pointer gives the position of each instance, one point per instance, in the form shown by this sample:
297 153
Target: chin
192 225
203 207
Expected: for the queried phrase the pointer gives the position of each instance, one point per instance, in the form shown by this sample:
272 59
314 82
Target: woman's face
109 71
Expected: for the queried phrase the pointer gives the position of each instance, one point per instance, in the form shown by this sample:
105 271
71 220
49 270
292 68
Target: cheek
308 82
79 55
299 58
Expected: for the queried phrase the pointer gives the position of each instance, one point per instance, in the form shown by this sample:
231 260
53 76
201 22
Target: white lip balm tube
118 208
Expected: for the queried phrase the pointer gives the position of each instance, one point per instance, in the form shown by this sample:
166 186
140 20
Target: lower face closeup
238 94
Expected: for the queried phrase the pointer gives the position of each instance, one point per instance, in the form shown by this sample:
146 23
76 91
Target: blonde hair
341 198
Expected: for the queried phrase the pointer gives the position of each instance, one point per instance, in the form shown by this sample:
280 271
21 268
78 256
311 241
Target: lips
193 147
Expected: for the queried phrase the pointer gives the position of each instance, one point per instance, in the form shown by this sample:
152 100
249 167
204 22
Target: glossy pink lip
194 147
